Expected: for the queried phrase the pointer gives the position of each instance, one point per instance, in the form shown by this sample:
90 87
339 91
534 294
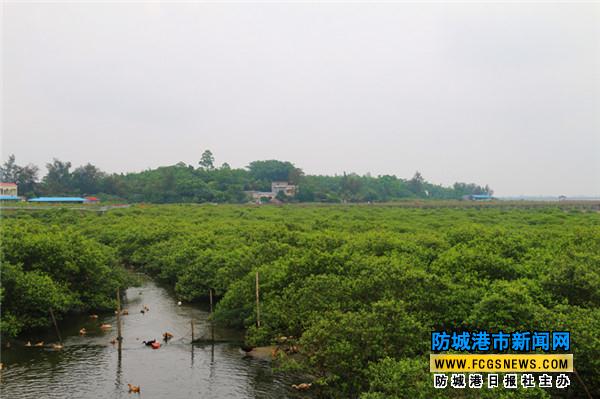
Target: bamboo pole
192 324
119 336
212 327
55 326
257 302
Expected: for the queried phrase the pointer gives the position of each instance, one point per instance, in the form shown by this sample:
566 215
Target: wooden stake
192 324
119 336
257 302
212 328
55 326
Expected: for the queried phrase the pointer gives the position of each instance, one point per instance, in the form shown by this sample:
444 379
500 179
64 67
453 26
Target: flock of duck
282 341
105 327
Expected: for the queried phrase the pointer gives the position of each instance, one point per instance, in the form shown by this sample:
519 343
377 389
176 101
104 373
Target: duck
105 326
93 316
125 312
57 346
142 311
38 344
246 348
28 343
302 387
178 303
146 308
167 336
134 388
154 344
83 331
274 352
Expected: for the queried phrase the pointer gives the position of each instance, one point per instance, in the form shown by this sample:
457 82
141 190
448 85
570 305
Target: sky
505 94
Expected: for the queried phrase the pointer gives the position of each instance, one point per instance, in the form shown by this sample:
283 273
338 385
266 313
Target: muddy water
91 367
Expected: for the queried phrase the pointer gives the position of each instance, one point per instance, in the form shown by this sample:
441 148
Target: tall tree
272 170
207 161
416 184
295 175
27 179
8 171
58 180
87 179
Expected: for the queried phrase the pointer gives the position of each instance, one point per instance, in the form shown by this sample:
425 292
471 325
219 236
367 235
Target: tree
295 176
25 177
88 179
185 183
281 196
58 180
273 170
351 185
416 184
207 161
9 171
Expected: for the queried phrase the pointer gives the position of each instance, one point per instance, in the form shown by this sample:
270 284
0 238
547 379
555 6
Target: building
288 189
9 198
270 196
8 192
8 189
58 200
478 197
257 196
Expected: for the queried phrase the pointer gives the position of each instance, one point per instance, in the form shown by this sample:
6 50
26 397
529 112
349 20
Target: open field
359 287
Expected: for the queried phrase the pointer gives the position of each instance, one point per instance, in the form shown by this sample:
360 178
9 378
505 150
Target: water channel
89 366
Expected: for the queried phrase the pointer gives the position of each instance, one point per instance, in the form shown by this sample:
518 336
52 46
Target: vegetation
360 286
53 267
207 183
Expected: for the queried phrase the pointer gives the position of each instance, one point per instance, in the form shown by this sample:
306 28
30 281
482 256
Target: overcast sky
504 94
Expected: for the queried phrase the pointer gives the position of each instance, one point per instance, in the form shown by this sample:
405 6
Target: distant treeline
209 183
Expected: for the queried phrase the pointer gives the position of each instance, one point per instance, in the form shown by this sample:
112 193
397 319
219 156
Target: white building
288 189
257 195
276 187
8 189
